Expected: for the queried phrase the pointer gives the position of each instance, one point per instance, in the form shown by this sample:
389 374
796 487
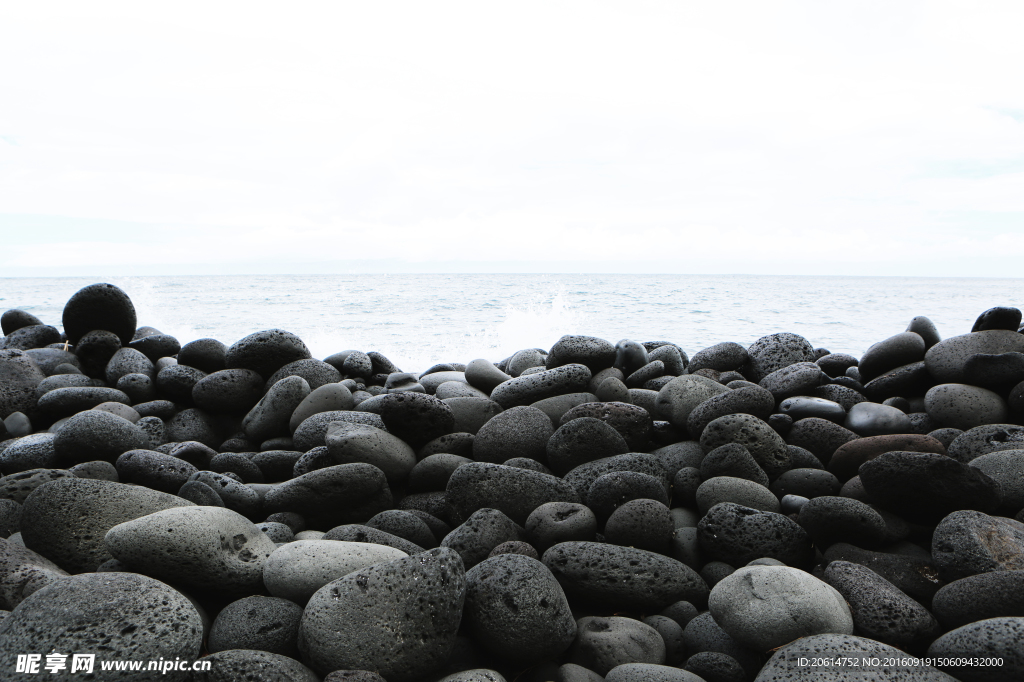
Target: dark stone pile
585 512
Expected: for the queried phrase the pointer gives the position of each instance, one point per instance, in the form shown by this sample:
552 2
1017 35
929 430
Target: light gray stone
298 569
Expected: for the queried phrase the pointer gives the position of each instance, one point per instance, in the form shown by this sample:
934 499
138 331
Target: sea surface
417 320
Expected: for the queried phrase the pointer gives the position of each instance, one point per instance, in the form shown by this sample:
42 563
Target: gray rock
295 571
34 451
738 490
881 610
520 431
807 483
711 665
603 643
93 435
203 547
721 357
516 610
65 520
775 351
961 406
582 477
678 398
800 407
752 400
764 444
10 518
482 374
64 402
257 623
946 360
484 530
472 413
829 519
116 616
154 470
594 353
272 414
993 638
633 422
732 459
327 398
513 491
398 618
265 352
1005 467
527 389
15 318
874 419
764 607
673 457
312 432
433 472
993 594
200 494
650 672
458 389
127 361
345 493
351 443
354 532
984 439
19 486
229 391
557 406
314 372
611 490
623 577
416 418
896 351
33 336
236 495
19 376
703 634
582 440
925 487
245 665
641 523
795 662
820 437
737 535
797 379
968 542
555 522
23 572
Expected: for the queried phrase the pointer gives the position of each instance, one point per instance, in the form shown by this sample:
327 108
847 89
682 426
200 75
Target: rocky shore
628 511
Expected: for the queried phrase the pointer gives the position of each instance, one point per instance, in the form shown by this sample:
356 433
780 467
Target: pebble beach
624 510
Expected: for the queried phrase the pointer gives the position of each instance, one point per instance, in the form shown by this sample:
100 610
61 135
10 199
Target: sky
821 137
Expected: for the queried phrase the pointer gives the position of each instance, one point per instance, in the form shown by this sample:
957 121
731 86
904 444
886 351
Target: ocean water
419 319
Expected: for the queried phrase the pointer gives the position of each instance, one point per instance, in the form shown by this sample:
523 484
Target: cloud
741 131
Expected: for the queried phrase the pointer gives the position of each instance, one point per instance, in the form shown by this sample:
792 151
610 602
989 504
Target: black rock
154 470
345 493
582 440
520 431
968 542
35 336
99 306
93 435
531 388
918 577
265 352
591 351
157 346
614 489
775 351
809 483
583 476
993 594
516 492
14 319
925 487
229 391
836 364
484 530
257 623
752 400
988 640
416 418
896 351
405 525
998 318
206 355
623 577
737 535
909 380
355 532
732 460
555 522
829 519
820 437
722 357
633 422
629 356
763 443
641 523
998 372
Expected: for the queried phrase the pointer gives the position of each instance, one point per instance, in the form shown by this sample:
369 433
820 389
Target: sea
418 320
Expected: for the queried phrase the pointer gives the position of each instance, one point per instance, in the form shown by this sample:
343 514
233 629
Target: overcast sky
707 137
